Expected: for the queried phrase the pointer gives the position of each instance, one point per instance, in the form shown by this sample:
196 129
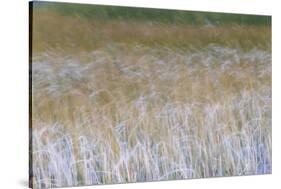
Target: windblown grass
78 34
117 102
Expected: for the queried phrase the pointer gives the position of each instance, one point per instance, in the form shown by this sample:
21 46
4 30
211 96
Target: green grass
152 15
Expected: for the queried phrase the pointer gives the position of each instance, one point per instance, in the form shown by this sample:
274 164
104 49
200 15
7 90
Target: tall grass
165 16
129 110
77 34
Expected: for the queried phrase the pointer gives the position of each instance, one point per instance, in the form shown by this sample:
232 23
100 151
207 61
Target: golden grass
83 34
118 102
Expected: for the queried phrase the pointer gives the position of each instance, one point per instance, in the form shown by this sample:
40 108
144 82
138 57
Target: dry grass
81 34
148 103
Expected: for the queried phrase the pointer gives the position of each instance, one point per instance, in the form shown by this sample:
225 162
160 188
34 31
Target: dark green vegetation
153 15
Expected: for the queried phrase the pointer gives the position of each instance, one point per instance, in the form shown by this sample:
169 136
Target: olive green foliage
153 15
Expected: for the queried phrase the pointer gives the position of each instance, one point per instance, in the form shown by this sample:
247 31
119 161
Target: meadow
124 97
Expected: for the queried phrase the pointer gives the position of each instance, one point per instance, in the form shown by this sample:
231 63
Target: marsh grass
138 14
79 34
116 101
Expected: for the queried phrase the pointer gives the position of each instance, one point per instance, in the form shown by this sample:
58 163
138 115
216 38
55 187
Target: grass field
148 99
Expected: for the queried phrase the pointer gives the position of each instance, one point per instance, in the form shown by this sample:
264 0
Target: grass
79 34
165 16
118 101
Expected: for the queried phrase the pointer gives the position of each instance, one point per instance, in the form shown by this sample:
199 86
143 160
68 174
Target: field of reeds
134 100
